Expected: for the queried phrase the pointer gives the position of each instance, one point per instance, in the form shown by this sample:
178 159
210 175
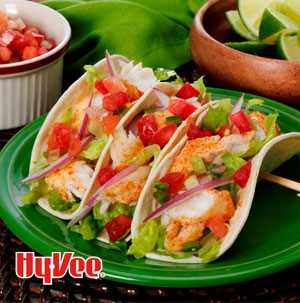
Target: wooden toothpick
281 181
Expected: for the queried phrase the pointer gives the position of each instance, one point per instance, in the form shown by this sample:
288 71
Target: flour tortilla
273 154
77 91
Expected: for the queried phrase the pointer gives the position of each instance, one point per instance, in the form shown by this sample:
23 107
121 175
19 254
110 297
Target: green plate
269 242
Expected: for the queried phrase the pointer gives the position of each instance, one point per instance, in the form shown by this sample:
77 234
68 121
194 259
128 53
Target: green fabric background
154 32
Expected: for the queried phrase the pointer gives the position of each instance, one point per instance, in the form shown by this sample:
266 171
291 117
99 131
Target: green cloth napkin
154 32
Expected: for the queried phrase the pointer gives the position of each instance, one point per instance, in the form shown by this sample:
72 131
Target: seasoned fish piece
236 143
124 147
71 179
208 148
129 188
186 221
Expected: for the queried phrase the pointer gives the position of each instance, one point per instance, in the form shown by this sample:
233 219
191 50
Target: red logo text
56 266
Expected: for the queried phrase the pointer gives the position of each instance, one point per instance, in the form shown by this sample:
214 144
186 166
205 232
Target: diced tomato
240 120
19 45
99 85
175 181
217 225
5 53
75 145
114 85
109 123
180 107
187 91
60 137
29 52
30 40
164 134
241 176
223 130
117 227
195 132
105 174
3 21
42 50
147 127
114 102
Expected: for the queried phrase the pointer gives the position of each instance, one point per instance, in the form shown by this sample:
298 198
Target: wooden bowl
232 69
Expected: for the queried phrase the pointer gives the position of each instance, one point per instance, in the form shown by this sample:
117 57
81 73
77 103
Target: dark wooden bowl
226 67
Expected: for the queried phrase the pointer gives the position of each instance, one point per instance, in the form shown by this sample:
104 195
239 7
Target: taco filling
196 191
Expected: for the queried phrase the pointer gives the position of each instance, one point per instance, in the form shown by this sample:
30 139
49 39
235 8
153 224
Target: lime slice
251 12
289 46
273 22
238 26
291 8
255 48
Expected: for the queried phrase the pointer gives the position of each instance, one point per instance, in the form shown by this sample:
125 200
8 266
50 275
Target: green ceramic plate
269 242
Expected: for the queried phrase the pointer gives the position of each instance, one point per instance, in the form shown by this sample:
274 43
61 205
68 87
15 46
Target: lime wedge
238 26
273 22
255 48
291 8
251 12
289 46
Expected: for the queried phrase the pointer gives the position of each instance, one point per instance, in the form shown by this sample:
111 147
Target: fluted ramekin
30 88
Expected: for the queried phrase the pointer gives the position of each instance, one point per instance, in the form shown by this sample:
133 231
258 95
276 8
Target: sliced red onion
237 107
178 199
85 118
58 163
164 99
116 178
110 65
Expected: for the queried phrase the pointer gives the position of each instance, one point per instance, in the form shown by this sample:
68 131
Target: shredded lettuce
66 118
112 212
255 146
59 204
38 189
200 86
232 163
147 153
87 228
217 117
92 74
95 148
146 240
253 102
166 75
210 248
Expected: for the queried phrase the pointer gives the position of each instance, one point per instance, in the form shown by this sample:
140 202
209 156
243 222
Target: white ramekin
30 88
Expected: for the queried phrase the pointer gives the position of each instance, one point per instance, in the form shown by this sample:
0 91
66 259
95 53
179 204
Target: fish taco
196 202
78 130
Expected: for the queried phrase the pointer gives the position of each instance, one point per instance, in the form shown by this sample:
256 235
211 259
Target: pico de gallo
20 41
198 194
